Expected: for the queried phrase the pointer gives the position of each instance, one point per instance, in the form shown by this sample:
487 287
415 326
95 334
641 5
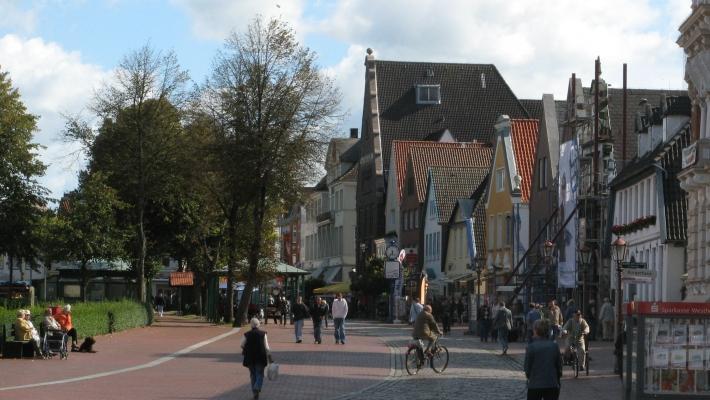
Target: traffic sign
638 275
392 269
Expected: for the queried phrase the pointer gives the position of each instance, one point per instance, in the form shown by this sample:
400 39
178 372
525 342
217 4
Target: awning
181 279
342 287
331 273
317 273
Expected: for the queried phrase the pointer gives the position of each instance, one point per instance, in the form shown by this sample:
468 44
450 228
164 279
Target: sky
58 52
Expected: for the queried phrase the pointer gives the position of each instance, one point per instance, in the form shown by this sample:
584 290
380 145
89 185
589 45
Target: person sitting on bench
64 319
23 332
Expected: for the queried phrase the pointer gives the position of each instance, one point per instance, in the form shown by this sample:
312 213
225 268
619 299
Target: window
508 229
416 218
500 175
428 94
491 232
499 238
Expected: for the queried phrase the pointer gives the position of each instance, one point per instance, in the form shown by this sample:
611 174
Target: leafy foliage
372 281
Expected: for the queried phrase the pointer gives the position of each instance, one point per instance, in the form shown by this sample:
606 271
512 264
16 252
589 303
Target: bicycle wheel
439 359
412 362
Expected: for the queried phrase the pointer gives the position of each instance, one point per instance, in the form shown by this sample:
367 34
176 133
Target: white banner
566 244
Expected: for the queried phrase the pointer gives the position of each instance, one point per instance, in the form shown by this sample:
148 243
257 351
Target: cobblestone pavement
473 371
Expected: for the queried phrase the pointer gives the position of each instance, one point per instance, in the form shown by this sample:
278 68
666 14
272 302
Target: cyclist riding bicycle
575 329
425 327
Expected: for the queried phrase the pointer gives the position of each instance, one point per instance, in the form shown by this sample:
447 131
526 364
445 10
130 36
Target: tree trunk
231 267
84 280
254 255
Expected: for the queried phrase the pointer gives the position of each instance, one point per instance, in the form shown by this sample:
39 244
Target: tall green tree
274 110
138 139
22 198
88 228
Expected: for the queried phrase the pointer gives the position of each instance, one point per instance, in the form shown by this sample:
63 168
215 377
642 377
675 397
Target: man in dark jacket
318 313
300 313
255 349
503 323
484 321
543 364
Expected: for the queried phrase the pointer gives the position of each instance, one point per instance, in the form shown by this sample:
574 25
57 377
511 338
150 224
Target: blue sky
59 51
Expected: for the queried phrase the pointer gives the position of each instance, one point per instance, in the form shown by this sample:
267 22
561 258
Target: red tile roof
524 134
473 154
181 279
400 150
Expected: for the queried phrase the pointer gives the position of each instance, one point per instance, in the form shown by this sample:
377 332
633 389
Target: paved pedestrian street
186 358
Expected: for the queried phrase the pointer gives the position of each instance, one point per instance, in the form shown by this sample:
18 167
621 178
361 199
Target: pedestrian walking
533 315
570 310
340 312
160 303
327 312
554 315
606 316
255 349
300 313
459 310
484 321
494 312
414 310
448 312
543 364
285 310
503 323
318 313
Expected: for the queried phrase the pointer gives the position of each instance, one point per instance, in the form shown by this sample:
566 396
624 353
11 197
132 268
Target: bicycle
437 358
572 360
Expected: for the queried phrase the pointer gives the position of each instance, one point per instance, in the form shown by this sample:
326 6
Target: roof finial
369 51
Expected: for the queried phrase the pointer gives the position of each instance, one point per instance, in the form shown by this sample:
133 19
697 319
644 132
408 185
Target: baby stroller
54 342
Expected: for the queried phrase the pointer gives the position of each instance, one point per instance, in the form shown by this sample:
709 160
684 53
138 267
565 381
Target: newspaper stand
667 351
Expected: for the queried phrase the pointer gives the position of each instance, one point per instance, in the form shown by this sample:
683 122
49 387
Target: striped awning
181 279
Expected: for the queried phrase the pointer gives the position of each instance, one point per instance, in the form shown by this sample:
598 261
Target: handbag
272 371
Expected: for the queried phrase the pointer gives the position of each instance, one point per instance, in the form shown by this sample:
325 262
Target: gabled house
329 228
649 207
445 186
420 101
508 194
543 188
421 158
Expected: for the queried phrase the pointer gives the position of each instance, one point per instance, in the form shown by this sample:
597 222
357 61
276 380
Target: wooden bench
12 348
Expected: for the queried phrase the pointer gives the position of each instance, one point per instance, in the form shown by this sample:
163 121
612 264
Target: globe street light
620 249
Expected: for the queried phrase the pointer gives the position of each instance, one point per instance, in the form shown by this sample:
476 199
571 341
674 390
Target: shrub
92 318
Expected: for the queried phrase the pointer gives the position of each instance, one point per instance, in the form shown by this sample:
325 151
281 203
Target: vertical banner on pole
568 184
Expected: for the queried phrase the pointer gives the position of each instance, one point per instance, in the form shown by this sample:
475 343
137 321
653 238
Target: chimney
353 133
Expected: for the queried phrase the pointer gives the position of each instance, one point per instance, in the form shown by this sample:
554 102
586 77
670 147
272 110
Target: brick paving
369 366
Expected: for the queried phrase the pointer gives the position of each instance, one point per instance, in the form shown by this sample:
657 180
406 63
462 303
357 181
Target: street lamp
585 255
620 250
479 268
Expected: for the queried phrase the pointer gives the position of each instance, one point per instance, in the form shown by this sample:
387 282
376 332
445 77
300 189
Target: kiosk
667 351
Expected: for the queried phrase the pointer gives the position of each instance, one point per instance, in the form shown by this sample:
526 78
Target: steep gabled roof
400 150
524 134
533 107
446 154
472 97
453 183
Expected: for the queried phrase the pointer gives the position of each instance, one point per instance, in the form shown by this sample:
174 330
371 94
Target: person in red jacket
64 319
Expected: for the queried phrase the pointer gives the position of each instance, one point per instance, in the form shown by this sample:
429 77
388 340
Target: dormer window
428 94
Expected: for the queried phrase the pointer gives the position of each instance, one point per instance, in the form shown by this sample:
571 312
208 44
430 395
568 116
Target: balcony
324 217
697 154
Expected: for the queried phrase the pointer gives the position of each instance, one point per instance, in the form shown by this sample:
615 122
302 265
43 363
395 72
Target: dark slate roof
634 96
352 154
669 156
468 109
453 183
533 107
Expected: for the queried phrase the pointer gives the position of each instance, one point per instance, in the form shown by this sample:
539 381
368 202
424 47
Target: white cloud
215 19
536 44
51 81
14 18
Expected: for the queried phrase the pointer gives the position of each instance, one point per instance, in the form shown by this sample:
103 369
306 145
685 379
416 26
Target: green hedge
93 318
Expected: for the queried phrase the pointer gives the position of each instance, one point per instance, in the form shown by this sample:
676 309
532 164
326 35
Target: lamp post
620 250
547 248
585 255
